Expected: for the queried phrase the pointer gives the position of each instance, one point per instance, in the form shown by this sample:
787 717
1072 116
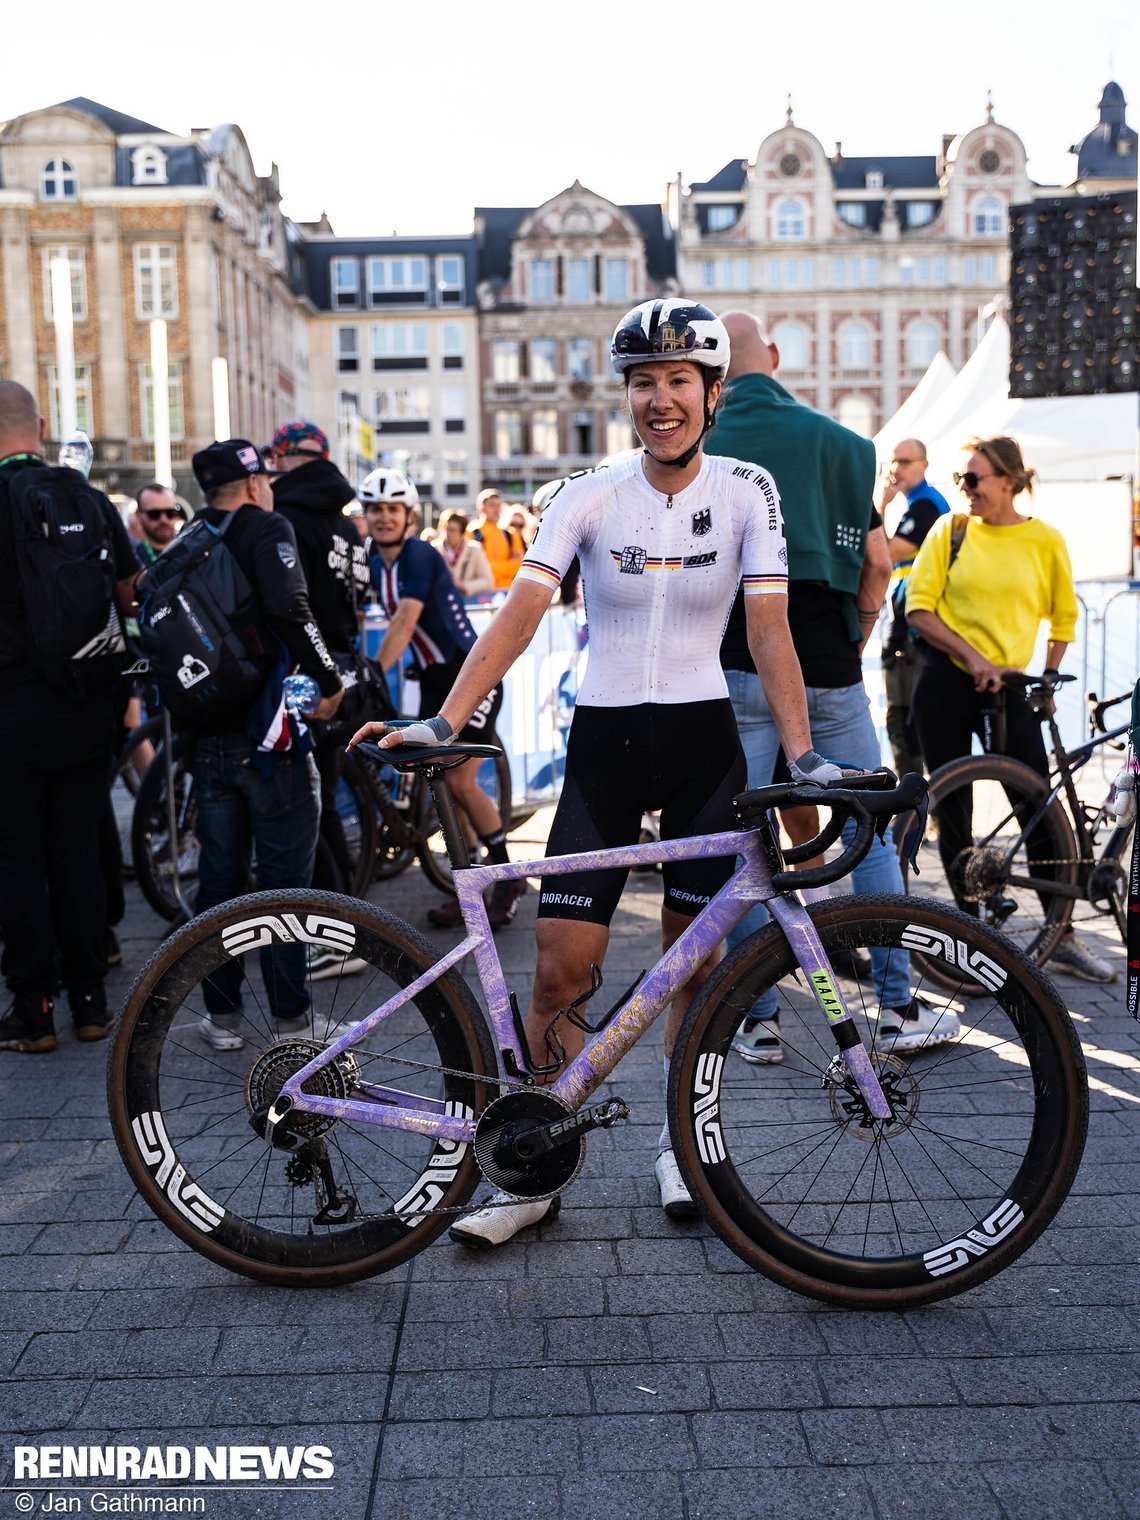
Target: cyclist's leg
223 866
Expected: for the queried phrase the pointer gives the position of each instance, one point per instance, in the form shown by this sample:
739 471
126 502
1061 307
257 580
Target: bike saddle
410 756
1022 679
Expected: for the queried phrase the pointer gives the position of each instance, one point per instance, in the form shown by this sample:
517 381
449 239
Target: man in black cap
312 493
255 782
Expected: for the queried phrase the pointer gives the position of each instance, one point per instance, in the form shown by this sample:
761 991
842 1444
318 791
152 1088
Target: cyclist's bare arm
490 657
771 648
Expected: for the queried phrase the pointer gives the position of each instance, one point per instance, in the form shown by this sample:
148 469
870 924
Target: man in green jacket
839 565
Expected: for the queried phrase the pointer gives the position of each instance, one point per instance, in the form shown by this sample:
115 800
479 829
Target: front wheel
349 1198
802 1183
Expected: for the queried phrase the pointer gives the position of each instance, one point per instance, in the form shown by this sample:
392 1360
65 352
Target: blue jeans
841 729
242 812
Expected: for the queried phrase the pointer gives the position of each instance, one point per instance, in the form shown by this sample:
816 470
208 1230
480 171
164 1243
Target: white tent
982 380
938 378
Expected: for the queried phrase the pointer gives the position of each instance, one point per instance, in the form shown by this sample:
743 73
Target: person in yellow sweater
979 612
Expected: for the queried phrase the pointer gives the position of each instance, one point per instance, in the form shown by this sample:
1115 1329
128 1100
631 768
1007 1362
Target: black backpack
199 628
65 564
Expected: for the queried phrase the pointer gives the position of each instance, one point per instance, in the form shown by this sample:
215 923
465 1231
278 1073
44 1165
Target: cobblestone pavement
610 1364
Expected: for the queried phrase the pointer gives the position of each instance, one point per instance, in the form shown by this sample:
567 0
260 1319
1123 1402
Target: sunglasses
969 479
156 512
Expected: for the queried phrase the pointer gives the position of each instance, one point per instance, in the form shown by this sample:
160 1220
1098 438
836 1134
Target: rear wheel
350 1199
155 854
801 1182
983 803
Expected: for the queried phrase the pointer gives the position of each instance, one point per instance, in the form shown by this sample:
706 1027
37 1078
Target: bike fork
799 931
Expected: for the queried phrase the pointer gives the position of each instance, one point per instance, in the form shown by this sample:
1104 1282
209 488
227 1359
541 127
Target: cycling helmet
670 328
388 485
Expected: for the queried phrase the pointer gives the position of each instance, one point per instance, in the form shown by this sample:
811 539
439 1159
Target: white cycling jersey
659 572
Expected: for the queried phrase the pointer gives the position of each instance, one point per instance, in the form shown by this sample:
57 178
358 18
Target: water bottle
77 452
302 694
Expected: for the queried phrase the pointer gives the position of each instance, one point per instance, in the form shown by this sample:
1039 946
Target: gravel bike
1019 852
847 1172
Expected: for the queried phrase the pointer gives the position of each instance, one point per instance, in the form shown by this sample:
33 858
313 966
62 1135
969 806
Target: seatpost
457 852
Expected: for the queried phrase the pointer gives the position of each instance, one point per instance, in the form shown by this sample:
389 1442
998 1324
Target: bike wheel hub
900 1087
283 1059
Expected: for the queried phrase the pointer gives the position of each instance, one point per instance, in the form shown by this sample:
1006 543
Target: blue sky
398 118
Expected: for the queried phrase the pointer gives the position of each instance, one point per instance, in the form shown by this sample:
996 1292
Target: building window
923 270
856 413
873 179
450 279
174 392
989 216
451 345
582 435
721 217
508 434
77 265
148 166
854 213
920 213
923 341
83 414
792 340
543 360
579 286
156 280
544 433
619 432
504 360
580 358
399 345
854 346
397 280
347 350
58 181
403 403
617 280
345 283
791 222
980 269
542 279
453 404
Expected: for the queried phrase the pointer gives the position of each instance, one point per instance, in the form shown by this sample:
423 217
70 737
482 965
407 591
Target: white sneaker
494 1226
916 1027
220 1036
326 1029
676 1199
759 1042
324 964
1074 957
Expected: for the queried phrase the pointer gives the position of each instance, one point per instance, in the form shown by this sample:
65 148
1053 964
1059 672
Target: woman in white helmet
664 537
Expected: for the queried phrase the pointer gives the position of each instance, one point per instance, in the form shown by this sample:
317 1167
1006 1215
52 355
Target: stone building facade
153 225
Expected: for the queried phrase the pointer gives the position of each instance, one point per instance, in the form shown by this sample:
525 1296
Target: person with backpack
255 782
311 493
67 572
923 505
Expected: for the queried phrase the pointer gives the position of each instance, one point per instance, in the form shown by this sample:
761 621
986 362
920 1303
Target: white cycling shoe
676 1199
502 1220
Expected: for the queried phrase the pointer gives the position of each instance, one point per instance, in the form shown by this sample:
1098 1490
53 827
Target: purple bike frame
392 1108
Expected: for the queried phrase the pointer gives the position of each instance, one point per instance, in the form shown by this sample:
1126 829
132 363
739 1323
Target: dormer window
721 217
148 166
873 179
58 181
919 213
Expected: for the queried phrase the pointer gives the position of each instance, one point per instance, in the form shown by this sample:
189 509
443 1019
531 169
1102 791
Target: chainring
548 1173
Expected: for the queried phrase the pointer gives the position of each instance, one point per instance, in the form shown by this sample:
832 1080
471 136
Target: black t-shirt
818 622
14 666
915 523
333 558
